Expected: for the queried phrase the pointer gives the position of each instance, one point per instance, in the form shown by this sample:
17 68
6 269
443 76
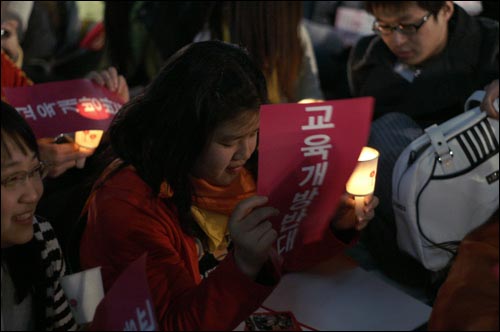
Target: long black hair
269 30
162 132
23 261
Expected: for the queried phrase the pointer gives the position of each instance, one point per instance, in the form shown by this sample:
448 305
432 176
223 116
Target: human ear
448 10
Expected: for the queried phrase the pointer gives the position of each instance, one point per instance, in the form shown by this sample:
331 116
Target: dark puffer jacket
468 62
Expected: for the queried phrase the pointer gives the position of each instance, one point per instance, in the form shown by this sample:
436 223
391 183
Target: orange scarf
223 200
212 205
218 199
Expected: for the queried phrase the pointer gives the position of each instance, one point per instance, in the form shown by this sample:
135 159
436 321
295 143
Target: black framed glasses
405 29
17 180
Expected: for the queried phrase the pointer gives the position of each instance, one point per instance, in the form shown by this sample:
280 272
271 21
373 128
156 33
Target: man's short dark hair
432 6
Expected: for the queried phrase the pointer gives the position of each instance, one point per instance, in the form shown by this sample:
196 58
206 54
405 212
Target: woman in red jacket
182 189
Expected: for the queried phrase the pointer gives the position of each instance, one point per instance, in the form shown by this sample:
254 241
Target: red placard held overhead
306 154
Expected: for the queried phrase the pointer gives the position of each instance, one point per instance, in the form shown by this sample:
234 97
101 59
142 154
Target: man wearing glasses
423 61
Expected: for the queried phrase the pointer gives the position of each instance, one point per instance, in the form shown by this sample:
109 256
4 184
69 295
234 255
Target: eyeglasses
405 29
17 180
5 33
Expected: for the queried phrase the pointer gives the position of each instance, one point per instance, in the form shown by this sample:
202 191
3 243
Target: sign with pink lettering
127 306
306 154
64 107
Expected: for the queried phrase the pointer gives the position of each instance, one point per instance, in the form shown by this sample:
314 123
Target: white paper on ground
353 300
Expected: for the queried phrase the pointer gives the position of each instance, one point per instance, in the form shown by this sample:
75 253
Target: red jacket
124 221
468 300
11 75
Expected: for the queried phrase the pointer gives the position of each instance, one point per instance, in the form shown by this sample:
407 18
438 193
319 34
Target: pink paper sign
64 107
306 154
127 306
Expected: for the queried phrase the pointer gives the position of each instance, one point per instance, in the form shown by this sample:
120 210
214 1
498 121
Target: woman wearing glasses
32 262
423 61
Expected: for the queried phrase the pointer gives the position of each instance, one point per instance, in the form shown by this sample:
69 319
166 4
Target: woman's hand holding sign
110 79
252 235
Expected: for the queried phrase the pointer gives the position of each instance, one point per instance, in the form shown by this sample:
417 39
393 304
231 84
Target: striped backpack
445 184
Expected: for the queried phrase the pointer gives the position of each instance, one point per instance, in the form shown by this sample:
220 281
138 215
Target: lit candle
310 101
87 140
362 181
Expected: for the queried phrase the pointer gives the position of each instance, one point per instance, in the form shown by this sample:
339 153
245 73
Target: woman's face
232 145
22 188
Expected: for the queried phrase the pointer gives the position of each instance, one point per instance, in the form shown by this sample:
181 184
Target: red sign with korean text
64 107
127 306
307 153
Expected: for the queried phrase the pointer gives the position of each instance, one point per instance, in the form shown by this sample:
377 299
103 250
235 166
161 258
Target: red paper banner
127 306
64 107
306 154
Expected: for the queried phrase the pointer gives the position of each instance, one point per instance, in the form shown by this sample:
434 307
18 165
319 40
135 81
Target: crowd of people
175 174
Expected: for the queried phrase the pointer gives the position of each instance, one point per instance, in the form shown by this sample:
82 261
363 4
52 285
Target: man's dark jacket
468 62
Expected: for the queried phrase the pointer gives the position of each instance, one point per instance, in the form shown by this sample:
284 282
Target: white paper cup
84 291
89 139
362 180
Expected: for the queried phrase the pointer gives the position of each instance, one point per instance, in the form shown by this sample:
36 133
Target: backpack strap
438 141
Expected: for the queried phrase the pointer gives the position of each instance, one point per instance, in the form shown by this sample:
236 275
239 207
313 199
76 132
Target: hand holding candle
362 181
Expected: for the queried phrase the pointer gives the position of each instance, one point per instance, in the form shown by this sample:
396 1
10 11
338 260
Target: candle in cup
87 140
362 181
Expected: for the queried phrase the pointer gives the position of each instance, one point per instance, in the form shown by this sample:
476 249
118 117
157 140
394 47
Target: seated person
32 261
59 157
269 30
64 196
183 190
425 59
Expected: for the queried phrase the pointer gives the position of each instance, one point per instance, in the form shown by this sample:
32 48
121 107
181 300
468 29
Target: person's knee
394 128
